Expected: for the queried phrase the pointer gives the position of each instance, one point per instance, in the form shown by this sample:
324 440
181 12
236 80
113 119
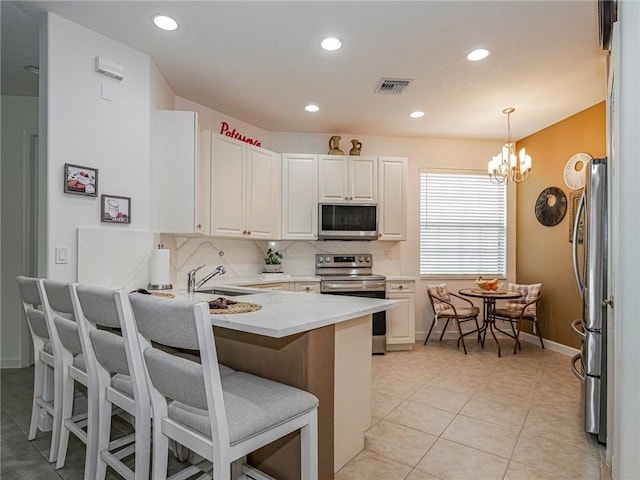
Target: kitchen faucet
192 286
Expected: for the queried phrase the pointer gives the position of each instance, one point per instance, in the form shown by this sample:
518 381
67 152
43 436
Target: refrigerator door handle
576 267
579 375
580 333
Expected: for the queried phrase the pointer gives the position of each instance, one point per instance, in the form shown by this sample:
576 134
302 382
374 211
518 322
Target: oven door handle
353 286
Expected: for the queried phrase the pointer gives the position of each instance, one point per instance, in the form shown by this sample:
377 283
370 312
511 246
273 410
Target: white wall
84 129
161 98
19 122
212 119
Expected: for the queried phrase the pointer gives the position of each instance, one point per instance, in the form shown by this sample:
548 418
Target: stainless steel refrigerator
590 365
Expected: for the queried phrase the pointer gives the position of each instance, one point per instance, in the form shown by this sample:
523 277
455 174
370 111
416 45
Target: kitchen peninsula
319 343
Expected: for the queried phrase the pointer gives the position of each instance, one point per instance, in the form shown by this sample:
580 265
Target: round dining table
489 298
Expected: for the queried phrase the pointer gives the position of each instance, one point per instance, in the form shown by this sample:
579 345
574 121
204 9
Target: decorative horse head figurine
334 146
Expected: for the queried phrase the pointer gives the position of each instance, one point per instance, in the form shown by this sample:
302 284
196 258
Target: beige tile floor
438 414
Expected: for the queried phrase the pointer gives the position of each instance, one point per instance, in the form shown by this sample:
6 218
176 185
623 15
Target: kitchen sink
225 292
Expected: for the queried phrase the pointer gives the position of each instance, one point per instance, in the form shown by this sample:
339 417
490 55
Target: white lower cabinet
306 287
401 320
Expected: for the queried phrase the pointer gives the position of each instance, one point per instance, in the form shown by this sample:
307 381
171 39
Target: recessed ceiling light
165 23
312 108
331 44
32 69
478 54
416 114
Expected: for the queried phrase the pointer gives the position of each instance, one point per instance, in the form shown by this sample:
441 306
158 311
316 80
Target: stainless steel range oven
351 275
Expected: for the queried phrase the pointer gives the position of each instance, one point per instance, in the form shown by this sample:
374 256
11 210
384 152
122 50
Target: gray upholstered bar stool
43 356
99 312
220 418
70 368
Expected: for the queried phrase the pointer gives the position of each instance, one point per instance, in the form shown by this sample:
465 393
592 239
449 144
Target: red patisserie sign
224 130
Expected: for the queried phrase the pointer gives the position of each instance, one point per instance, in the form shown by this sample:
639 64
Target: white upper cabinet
392 211
299 196
344 179
180 170
263 182
245 190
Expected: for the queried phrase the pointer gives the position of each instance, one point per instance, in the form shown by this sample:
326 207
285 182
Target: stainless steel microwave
348 221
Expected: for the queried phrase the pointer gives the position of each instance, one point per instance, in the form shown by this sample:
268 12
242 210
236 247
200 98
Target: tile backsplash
245 258
113 257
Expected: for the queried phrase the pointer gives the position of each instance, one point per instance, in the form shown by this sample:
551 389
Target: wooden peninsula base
332 362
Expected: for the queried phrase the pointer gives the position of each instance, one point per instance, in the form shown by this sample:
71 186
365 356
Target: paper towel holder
159 286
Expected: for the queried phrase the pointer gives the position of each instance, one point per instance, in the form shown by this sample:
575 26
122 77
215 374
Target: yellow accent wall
543 254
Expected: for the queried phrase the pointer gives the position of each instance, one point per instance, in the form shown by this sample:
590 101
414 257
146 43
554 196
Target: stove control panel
324 260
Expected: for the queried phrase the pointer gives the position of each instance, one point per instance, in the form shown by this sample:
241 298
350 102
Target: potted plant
273 261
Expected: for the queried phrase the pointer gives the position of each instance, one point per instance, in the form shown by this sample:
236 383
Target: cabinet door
401 321
299 197
363 179
392 211
333 176
227 187
203 204
263 193
175 171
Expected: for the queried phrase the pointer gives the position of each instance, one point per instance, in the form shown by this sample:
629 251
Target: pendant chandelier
506 167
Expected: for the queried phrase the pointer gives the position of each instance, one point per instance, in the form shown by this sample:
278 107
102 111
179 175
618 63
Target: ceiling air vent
392 86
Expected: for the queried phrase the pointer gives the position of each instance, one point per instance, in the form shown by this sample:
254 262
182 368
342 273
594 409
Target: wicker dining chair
522 309
443 307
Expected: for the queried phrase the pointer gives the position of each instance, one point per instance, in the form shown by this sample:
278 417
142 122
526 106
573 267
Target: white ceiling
261 61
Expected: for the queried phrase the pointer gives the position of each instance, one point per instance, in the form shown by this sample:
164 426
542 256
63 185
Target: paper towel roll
160 278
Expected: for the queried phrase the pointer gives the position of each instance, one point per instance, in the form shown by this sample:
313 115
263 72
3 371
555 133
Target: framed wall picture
115 209
574 202
80 180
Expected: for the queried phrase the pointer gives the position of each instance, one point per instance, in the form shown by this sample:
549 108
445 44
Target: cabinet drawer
403 286
307 287
273 286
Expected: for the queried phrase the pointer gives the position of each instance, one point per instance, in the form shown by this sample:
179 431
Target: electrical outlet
387 255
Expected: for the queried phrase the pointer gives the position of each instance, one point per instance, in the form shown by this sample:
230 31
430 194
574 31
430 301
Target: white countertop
288 313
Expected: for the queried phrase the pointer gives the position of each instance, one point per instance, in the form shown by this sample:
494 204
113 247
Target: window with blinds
462 225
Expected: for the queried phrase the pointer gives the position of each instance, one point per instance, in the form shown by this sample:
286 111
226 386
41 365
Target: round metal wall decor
551 206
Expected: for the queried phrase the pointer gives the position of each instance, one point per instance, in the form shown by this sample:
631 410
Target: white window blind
462 225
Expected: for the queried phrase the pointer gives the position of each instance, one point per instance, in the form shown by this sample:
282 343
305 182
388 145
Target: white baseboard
525 337
10 363
551 345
